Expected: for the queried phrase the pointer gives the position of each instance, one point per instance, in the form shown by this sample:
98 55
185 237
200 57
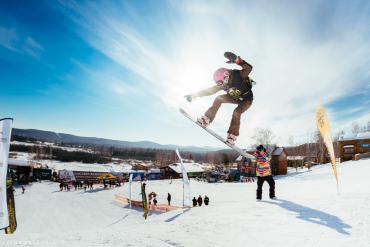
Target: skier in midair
238 87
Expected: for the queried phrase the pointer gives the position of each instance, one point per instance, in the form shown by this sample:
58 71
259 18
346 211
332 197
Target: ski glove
231 56
188 97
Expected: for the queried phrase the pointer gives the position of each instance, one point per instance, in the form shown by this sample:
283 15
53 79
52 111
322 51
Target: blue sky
119 69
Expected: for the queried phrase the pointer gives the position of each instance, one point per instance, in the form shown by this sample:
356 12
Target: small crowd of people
198 202
152 200
77 185
111 183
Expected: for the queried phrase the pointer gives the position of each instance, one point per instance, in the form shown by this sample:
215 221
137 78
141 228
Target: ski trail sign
233 147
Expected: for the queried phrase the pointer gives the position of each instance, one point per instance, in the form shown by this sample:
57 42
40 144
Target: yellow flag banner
11 209
322 122
145 201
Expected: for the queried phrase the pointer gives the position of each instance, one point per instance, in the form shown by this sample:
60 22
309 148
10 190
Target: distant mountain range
50 136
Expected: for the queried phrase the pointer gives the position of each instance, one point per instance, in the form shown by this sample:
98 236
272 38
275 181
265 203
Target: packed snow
309 212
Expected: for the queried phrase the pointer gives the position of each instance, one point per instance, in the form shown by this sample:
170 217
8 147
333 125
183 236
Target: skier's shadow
313 215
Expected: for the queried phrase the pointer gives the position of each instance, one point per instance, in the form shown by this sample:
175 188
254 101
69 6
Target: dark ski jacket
194 202
238 85
206 200
200 201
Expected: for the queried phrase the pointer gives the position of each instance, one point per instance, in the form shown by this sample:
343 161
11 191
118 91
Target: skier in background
238 87
23 189
263 171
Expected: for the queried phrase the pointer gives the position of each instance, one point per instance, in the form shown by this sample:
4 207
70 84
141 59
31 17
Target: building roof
278 151
155 170
19 162
358 136
295 158
348 146
189 167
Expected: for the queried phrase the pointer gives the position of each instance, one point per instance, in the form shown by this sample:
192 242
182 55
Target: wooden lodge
350 148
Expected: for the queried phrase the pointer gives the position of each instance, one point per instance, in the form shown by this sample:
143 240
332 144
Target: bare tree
263 136
355 128
291 140
338 135
320 148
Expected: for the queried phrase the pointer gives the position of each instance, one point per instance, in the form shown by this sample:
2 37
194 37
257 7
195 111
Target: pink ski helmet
220 74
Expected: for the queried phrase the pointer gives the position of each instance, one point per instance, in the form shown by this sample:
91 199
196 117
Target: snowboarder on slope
263 171
238 87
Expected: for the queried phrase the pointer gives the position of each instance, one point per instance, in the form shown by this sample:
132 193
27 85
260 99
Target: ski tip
181 110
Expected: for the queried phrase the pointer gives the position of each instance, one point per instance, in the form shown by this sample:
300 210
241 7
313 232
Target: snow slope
309 212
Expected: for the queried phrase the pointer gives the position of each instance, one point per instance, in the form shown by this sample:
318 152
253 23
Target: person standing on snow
194 202
206 200
169 199
200 201
238 87
263 172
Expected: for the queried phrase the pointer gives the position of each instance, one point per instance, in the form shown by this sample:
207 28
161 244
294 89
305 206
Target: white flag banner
186 183
5 133
130 184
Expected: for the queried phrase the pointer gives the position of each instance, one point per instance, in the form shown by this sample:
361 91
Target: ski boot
258 195
231 139
204 121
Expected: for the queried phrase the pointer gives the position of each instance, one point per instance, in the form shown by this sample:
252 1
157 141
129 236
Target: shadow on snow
177 215
313 215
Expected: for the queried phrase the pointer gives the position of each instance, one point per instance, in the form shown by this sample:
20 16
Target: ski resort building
24 170
296 161
20 170
352 148
88 172
154 174
174 170
279 161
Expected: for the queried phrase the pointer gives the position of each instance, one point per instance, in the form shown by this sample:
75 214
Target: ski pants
270 180
238 111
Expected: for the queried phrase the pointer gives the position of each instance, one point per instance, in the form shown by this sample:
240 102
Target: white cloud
296 64
103 78
10 39
32 47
